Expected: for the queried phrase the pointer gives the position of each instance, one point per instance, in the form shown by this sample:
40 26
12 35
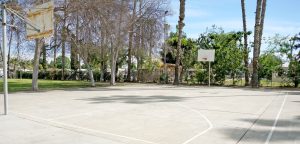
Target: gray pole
209 73
4 56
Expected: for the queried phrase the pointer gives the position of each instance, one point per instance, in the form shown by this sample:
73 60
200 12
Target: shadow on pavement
140 99
294 93
281 133
134 99
270 122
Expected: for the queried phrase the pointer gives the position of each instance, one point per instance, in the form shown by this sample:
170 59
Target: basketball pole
209 74
4 57
4 48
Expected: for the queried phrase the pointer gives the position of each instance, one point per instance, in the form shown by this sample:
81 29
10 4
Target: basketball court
152 114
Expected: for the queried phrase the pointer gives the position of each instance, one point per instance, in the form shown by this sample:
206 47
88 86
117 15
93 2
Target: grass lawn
15 85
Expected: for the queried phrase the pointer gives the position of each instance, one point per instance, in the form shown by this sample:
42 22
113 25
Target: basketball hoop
205 55
42 16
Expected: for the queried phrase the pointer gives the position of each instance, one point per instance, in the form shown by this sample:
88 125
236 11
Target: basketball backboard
41 16
206 55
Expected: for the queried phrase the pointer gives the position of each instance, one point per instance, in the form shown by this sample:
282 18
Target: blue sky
282 16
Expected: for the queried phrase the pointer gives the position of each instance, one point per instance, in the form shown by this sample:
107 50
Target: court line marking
210 125
259 116
276 120
75 128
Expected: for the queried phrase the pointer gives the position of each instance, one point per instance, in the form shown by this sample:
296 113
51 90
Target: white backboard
206 55
41 16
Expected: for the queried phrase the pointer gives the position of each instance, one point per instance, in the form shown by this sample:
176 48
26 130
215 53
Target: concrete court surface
152 114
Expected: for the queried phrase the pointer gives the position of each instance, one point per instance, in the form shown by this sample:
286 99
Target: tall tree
259 23
130 43
180 27
64 37
246 51
39 43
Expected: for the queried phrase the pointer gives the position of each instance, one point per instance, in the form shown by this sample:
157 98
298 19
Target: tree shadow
140 99
294 93
281 133
134 99
270 122
87 89
260 136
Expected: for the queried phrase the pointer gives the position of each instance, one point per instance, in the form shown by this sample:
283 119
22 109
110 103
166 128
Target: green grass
16 85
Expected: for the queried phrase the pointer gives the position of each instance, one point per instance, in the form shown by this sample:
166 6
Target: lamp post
165 49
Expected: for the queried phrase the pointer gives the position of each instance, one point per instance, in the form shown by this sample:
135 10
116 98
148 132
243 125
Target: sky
282 16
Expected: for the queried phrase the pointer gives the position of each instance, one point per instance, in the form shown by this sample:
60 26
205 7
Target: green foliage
288 48
150 64
188 52
164 78
59 62
294 72
186 45
229 52
269 63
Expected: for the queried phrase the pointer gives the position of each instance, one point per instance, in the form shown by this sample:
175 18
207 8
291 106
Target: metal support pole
4 56
209 73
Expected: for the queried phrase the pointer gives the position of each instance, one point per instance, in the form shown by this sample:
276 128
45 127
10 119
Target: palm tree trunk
246 51
259 23
180 27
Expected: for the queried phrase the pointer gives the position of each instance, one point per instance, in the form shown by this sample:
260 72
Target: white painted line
76 128
210 125
276 120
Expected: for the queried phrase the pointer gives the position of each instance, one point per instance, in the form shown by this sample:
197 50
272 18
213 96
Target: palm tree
259 24
180 27
246 51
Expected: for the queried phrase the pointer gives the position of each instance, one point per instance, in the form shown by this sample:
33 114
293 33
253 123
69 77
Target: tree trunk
91 75
63 54
246 51
35 74
255 82
8 55
105 51
183 71
180 27
112 66
9 47
262 21
115 48
44 60
130 43
63 47
90 71
55 47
